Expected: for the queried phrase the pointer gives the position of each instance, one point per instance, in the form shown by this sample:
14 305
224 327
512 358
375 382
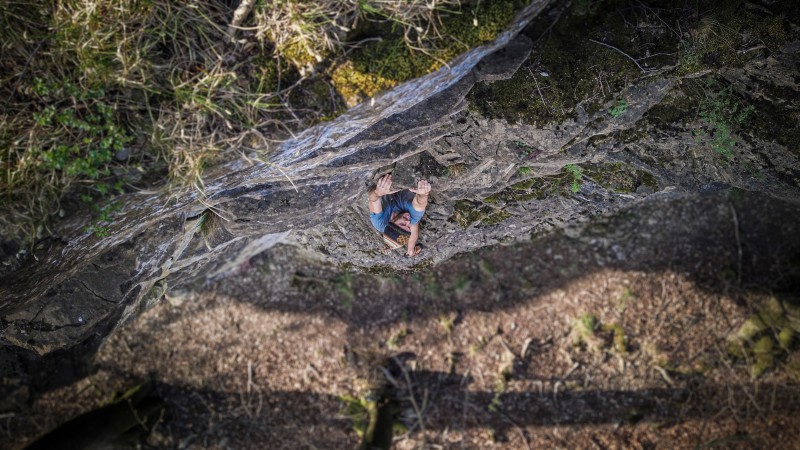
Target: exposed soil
489 345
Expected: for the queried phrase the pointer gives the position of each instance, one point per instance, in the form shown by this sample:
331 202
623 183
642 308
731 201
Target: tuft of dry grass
105 97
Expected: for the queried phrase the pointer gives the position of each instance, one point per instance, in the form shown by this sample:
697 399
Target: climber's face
403 220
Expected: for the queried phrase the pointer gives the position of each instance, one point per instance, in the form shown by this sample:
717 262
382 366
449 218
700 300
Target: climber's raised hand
423 188
384 185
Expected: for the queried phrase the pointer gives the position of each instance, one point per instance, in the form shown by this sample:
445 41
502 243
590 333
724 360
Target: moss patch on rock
729 36
587 57
382 64
567 68
468 212
621 177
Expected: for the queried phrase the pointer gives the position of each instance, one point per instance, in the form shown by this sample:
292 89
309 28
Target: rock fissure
95 294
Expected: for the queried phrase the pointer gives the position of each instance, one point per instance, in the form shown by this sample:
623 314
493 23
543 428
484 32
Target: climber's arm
411 250
421 195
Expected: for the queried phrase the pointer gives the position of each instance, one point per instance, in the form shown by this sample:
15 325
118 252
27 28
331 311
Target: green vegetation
727 35
105 97
500 387
478 345
396 339
361 411
721 113
588 331
619 108
630 42
525 149
624 298
619 339
448 322
104 214
505 372
576 174
381 64
468 212
767 337
620 177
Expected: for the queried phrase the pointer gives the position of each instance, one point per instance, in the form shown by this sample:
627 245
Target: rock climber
396 214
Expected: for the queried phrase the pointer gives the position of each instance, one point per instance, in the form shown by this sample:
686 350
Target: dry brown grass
101 95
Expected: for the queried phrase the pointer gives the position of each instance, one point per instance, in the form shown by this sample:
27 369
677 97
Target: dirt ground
616 335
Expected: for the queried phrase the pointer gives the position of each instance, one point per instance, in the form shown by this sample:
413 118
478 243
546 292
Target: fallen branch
537 88
244 9
623 54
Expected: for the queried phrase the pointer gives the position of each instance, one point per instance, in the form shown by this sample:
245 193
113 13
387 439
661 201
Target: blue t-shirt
399 201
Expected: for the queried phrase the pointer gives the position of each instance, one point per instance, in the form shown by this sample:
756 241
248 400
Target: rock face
495 181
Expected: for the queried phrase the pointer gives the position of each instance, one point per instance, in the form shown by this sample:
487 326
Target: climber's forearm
412 240
420 202
375 205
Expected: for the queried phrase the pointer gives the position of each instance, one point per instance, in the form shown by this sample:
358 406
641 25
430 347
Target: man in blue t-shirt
404 209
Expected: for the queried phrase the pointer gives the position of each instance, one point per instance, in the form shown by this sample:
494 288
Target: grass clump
576 174
721 113
583 331
729 35
588 331
361 411
448 322
618 109
143 93
397 338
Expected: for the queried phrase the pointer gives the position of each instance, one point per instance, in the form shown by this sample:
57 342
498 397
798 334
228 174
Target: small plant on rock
619 108
721 113
576 173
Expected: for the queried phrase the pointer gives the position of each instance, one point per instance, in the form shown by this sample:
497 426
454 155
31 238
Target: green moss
716 38
377 66
792 314
300 54
785 338
468 212
772 315
575 69
750 328
619 338
764 356
534 189
584 326
381 271
362 411
620 177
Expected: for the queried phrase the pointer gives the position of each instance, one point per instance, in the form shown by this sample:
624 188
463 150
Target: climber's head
402 219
